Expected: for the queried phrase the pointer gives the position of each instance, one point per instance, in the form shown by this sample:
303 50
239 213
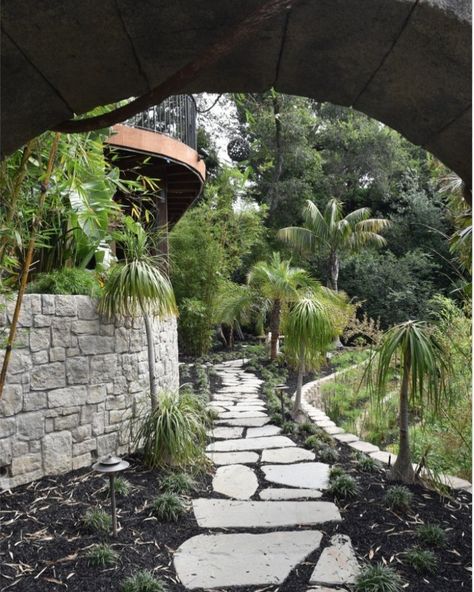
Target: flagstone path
229 552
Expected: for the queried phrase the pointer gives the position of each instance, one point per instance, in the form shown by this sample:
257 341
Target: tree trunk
151 362
275 328
297 410
273 196
333 271
402 469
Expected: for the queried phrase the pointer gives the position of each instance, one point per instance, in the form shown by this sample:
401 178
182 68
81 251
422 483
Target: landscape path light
111 465
280 390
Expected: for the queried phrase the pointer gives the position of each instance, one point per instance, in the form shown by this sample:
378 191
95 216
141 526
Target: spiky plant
421 560
168 507
178 483
143 581
343 487
431 534
97 520
425 369
378 578
139 287
398 498
102 555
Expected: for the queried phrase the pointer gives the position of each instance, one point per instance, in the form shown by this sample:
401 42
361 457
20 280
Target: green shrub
398 497
122 486
367 464
343 487
102 555
275 419
71 280
336 472
168 507
327 454
178 483
312 442
174 434
307 428
143 581
431 534
421 560
378 578
97 520
288 427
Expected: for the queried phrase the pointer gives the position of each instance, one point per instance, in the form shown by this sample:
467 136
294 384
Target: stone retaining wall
74 382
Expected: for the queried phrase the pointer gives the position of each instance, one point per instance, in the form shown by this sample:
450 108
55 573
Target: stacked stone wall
74 384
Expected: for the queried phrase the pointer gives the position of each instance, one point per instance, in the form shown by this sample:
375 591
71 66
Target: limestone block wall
73 385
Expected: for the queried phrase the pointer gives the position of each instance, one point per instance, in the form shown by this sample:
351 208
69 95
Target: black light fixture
111 465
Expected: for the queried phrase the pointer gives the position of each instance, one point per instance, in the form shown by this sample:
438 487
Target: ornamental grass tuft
379 578
398 498
421 560
431 534
102 555
143 581
168 507
97 520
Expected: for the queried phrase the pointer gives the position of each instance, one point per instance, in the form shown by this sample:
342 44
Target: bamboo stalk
27 262
14 196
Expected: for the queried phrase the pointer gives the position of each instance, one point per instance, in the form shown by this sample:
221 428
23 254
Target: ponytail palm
138 287
424 366
311 325
279 284
331 231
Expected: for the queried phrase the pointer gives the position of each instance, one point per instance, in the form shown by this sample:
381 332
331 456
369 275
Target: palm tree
335 233
279 284
424 366
138 287
311 325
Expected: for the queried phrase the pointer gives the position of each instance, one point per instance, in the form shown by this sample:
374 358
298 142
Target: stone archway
405 62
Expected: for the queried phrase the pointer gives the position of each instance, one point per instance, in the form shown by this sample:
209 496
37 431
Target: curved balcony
161 143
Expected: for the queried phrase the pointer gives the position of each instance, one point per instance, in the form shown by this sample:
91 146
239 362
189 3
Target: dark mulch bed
43 543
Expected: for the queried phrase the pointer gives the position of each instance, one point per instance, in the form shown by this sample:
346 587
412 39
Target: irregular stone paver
311 475
325 424
268 430
324 589
337 565
250 444
236 481
245 421
217 513
286 455
222 560
333 430
364 447
232 458
241 414
346 438
226 433
283 493
384 456
247 408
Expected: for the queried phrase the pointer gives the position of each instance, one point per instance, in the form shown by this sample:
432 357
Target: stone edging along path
312 403
235 549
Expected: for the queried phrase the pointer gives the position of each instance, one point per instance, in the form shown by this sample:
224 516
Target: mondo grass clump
143 581
327 454
122 487
102 555
431 534
336 472
398 498
343 487
174 434
288 427
178 483
378 578
168 507
421 560
367 464
97 520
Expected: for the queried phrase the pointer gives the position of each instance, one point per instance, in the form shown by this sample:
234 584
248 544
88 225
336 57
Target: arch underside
406 63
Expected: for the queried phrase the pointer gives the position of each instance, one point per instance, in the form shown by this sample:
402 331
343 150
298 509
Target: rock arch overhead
404 62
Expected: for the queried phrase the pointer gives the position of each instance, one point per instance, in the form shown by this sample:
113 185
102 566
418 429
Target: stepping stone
337 565
455 482
224 433
245 408
333 430
246 422
217 513
268 430
384 457
240 414
274 493
286 455
236 481
227 560
324 589
325 424
346 438
311 475
232 458
362 446
217 408
250 444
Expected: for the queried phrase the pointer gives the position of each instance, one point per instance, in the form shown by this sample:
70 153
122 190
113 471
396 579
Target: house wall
74 384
